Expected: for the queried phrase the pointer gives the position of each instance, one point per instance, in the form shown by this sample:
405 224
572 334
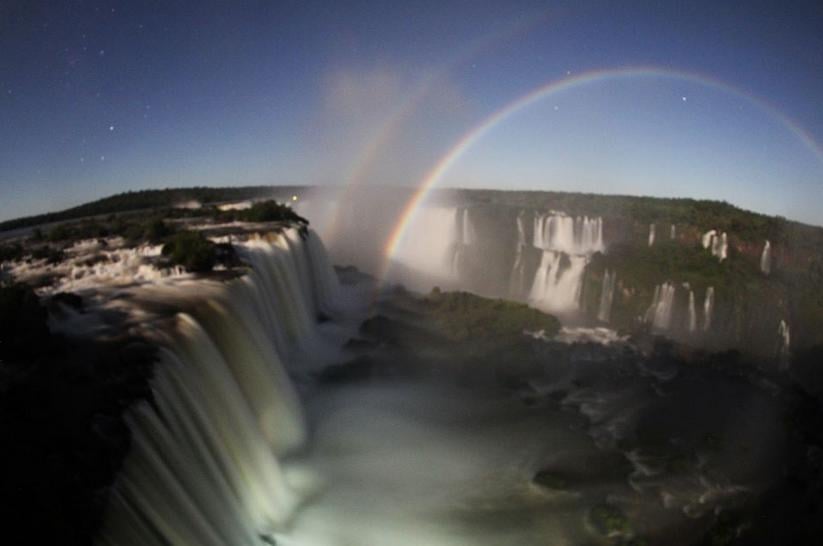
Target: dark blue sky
101 97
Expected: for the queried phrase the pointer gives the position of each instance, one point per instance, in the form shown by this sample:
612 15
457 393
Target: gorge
291 402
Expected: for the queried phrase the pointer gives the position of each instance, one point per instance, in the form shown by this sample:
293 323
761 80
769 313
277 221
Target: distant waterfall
784 340
464 236
652 231
673 232
204 461
573 235
521 229
692 313
766 258
567 243
708 309
716 243
517 280
558 282
659 314
604 310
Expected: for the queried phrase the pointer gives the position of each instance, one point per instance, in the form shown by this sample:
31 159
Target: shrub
192 251
11 252
59 233
50 254
271 211
157 230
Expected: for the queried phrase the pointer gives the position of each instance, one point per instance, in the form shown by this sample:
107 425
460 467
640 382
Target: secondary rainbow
465 142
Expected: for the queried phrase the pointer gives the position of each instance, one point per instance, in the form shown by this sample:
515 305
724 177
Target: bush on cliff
192 251
271 211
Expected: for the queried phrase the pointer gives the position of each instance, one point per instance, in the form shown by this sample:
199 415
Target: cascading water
692 313
604 310
673 232
204 466
558 282
567 243
708 309
766 258
652 231
517 280
717 243
573 235
659 313
784 341
464 236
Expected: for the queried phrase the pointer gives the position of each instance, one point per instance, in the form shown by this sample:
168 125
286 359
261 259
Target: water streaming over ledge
205 462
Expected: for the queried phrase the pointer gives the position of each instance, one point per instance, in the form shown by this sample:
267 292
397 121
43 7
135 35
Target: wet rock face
63 406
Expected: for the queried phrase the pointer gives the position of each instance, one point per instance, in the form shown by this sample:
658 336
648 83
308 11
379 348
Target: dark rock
550 480
357 344
68 299
359 369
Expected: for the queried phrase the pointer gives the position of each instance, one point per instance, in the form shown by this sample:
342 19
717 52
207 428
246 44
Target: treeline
704 214
146 199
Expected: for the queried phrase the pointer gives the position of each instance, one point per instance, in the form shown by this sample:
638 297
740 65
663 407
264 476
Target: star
111 127
683 99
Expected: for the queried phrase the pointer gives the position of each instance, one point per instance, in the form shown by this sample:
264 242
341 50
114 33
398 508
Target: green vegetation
49 253
135 229
11 252
464 317
704 214
145 199
271 211
192 251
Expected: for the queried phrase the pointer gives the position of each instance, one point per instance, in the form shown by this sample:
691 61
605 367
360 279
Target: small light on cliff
294 198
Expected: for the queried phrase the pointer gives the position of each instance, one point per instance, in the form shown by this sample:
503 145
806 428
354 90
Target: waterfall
708 308
673 232
573 235
204 465
766 258
722 251
464 236
692 313
716 243
651 234
464 227
604 311
567 243
558 282
659 313
517 279
784 340
521 229
708 237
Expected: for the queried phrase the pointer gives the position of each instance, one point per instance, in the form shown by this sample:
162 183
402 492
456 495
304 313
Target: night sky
102 97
